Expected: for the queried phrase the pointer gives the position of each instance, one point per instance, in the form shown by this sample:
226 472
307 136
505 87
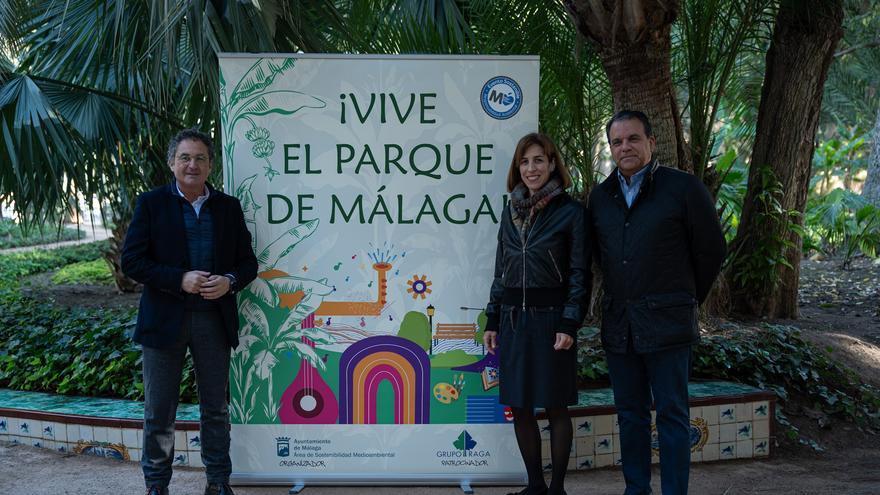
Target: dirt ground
840 311
30 471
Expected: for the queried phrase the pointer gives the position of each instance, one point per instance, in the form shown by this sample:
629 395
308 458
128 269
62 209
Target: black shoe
530 491
218 489
157 490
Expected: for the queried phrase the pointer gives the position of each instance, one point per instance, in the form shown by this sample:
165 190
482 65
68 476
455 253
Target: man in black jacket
658 241
189 246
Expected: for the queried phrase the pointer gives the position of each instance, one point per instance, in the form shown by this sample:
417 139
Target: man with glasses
188 245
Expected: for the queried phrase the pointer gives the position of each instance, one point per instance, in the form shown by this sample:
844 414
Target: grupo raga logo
465 453
501 97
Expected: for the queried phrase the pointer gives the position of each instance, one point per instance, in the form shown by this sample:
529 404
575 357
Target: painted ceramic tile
180 441
544 428
710 414
727 450
583 426
744 431
744 411
195 460
727 433
744 449
760 429
114 435
585 446
130 438
4 426
697 456
616 429
604 444
710 452
603 425
180 459
84 433
585 462
100 434
727 413
714 434
194 440
604 460
761 409
761 447
134 455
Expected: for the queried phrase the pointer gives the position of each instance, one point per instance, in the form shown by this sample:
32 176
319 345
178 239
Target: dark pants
204 336
635 378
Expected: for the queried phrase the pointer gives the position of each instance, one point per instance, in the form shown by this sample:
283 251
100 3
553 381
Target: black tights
529 440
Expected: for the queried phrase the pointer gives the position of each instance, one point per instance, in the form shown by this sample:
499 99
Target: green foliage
592 366
13 266
777 358
731 191
13 235
758 264
838 160
482 319
416 328
84 272
76 352
842 221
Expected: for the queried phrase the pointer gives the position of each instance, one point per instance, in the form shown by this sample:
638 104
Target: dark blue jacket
155 254
659 259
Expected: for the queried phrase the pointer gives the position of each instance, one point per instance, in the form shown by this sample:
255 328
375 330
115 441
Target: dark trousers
204 336
635 379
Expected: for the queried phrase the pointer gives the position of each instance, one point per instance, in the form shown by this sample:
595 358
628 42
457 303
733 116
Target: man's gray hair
190 134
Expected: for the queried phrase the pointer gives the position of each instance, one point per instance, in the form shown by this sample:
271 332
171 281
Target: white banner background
308 145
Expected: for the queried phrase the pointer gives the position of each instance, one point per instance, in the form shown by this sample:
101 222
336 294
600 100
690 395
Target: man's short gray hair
190 134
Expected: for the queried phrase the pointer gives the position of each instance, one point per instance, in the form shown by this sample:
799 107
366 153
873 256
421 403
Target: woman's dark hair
553 156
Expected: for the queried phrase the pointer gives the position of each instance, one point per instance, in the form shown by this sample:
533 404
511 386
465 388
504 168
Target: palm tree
90 92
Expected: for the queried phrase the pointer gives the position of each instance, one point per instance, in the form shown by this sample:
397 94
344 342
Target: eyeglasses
198 159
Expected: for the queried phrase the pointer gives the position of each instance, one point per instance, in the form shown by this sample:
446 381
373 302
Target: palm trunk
633 41
804 39
113 256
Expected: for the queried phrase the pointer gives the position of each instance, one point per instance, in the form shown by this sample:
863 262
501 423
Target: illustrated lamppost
430 312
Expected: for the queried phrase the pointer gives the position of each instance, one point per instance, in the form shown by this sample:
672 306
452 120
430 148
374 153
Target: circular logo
501 97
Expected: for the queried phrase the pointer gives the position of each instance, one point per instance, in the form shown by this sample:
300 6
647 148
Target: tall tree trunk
113 257
804 38
633 41
871 188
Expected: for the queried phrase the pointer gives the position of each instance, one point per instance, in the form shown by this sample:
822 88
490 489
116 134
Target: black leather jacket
551 269
659 259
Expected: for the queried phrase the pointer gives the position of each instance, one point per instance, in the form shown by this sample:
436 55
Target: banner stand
373 187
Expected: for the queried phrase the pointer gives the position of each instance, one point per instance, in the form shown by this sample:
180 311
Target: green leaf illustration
279 248
281 102
259 77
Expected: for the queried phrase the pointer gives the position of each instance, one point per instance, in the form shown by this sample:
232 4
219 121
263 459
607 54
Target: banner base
359 479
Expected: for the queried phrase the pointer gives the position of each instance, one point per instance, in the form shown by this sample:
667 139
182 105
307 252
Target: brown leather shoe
218 489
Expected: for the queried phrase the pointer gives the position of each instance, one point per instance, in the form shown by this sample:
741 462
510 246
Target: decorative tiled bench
728 421
83 425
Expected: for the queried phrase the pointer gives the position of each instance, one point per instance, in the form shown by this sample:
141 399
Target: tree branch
868 44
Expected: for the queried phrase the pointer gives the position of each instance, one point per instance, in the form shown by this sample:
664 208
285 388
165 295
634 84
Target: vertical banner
373 187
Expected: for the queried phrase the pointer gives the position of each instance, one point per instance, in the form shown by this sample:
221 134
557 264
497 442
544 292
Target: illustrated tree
415 328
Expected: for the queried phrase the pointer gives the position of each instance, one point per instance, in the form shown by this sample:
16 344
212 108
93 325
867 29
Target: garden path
92 233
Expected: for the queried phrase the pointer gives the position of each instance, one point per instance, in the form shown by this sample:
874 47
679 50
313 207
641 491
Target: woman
540 290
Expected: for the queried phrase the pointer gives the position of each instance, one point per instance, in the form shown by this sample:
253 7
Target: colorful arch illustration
369 362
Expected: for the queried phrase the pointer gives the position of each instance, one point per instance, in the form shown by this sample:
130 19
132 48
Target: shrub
12 235
84 272
78 352
14 266
770 357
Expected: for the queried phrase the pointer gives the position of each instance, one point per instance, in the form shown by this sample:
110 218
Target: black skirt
532 373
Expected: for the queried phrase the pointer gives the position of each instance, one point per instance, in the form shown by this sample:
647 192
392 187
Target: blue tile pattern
85 406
